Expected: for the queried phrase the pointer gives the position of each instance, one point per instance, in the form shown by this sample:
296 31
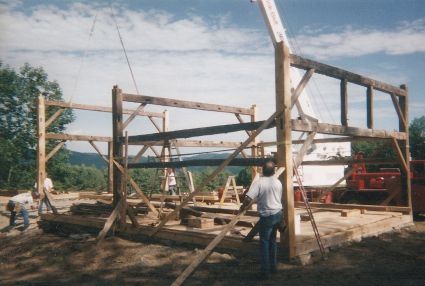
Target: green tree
417 138
18 123
244 177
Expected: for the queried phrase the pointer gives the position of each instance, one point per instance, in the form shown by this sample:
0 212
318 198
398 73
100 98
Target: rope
74 89
123 48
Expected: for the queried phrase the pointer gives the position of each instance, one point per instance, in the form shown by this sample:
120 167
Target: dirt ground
36 258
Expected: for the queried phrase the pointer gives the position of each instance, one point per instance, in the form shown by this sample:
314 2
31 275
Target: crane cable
83 58
296 47
123 48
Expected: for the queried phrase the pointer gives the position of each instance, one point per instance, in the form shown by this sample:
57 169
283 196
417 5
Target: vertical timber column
284 150
41 143
166 150
344 102
254 150
117 149
110 169
403 102
369 106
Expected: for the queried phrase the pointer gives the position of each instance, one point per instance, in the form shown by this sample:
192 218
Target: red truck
383 187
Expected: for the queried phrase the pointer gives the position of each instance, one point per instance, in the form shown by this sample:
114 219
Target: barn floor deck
334 228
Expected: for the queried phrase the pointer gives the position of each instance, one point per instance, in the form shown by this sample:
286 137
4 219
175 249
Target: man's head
268 168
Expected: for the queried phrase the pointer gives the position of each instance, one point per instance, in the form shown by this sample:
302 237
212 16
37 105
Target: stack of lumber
100 209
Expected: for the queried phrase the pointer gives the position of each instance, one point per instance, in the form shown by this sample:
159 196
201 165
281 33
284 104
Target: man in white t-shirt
172 183
267 190
17 205
47 187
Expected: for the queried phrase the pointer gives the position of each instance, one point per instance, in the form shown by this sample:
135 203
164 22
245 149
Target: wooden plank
284 150
344 102
55 150
303 82
110 169
99 108
217 170
404 210
324 128
369 107
320 68
185 104
196 132
54 117
70 137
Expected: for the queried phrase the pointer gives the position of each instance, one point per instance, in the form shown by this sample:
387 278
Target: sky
216 51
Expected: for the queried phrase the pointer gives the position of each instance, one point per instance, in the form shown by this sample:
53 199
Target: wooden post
41 143
369 106
344 102
254 151
117 150
284 150
403 127
110 169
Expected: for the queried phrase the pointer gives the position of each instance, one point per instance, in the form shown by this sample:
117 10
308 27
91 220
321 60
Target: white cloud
187 58
407 38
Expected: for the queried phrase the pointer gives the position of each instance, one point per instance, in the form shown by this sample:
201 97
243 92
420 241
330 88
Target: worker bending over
267 191
17 205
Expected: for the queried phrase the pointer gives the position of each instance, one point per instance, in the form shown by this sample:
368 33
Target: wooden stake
41 143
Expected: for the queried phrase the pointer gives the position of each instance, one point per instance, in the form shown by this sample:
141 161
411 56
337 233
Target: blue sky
216 51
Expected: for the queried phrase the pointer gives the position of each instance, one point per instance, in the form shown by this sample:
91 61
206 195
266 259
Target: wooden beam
239 117
109 222
369 106
304 148
320 68
217 170
198 162
117 132
404 106
185 104
99 108
110 169
133 115
195 143
98 152
296 94
70 137
284 151
324 128
55 150
41 143
344 102
400 156
137 188
54 116
195 132
140 154
402 120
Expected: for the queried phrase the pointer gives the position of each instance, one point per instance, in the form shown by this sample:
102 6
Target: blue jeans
23 211
43 201
268 247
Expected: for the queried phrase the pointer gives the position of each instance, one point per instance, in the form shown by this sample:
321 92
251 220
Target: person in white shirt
44 200
267 190
172 183
17 205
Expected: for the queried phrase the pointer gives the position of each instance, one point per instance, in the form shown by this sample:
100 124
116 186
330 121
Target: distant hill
94 160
